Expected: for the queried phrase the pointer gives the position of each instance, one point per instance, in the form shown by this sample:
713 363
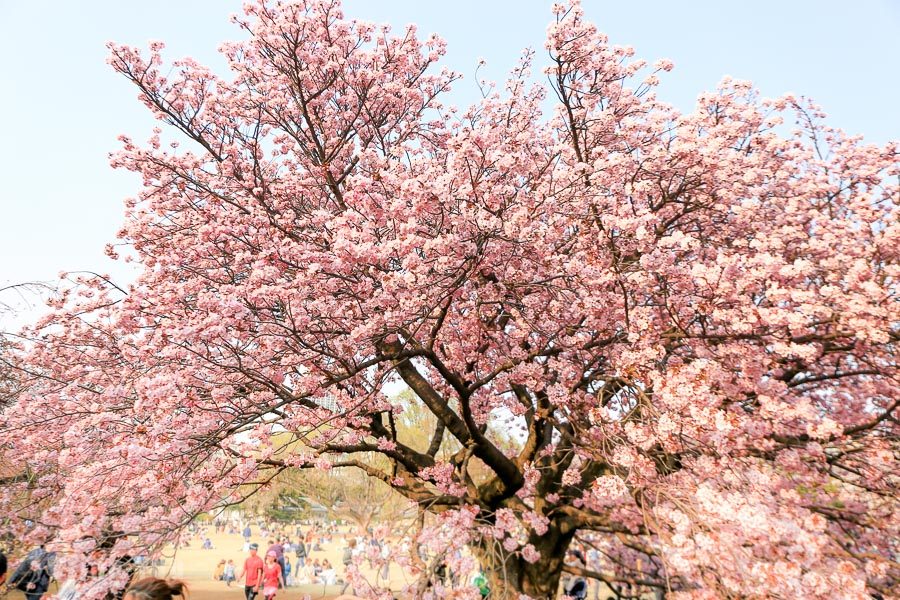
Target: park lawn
196 566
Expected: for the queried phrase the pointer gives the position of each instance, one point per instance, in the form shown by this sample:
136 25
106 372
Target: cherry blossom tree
666 339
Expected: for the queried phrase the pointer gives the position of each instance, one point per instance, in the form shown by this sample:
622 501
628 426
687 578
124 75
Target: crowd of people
260 575
297 554
288 559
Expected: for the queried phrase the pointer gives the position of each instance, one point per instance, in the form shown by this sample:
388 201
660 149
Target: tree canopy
668 339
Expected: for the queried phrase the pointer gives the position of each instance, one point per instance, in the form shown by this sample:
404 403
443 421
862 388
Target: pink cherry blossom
670 338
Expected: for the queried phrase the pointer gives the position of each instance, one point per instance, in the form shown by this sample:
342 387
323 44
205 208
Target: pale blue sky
63 107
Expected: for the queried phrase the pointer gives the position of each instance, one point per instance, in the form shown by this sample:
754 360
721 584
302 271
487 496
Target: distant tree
13 469
668 337
355 497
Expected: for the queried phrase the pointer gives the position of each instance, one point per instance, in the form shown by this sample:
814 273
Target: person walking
32 576
153 588
247 533
300 553
273 576
252 573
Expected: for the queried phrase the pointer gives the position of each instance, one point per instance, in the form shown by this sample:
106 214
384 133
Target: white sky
63 107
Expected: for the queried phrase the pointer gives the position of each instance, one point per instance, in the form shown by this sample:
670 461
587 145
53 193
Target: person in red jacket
253 569
273 578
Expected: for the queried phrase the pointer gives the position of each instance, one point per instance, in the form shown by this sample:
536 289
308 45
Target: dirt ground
196 566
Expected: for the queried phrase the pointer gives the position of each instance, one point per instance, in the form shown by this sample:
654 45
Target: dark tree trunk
509 575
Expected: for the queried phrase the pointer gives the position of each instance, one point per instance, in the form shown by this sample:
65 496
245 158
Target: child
288 580
229 573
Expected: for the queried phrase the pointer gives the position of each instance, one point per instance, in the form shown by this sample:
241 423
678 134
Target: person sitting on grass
305 574
219 573
328 575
